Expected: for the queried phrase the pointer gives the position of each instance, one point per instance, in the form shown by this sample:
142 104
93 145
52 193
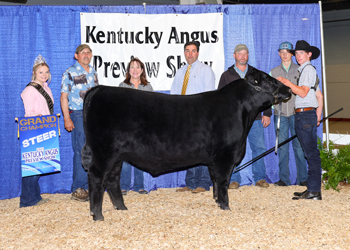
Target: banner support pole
324 81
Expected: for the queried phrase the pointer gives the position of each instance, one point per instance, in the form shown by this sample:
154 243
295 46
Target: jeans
198 177
288 124
80 179
257 144
125 178
30 194
306 129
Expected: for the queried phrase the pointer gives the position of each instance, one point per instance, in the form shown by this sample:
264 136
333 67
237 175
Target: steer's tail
86 153
86 156
87 99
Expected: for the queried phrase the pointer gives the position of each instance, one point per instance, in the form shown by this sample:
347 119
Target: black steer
162 133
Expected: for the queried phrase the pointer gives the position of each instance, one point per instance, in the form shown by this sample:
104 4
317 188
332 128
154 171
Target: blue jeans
30 194
257 145
198 177
288 124
306 129
125 178
80 179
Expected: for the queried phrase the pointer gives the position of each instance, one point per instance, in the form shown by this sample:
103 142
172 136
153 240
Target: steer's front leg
222 193
223 197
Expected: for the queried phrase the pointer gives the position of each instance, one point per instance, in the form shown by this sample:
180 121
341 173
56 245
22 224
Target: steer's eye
256 81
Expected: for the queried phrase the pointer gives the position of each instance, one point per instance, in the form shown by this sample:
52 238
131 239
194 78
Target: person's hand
68 124
318 120
283 80
265 120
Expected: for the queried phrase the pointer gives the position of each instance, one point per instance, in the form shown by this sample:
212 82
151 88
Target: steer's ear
253 77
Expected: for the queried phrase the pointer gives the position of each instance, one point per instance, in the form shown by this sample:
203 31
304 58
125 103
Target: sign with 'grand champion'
157 40
40 152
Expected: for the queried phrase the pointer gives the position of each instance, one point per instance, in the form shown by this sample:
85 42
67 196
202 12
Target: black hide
162 133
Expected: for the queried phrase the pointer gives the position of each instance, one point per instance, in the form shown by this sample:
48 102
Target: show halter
258 88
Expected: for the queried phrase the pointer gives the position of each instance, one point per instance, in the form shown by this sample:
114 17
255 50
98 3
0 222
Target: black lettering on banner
153 69
111 37
129 39
120 33
173 35
115 67
148 37
106 64
205 37
210 64
179 63
100 35
214 36
124 68
137 37
202 36
185 37
171 67
195 35
158 38
90 34
97 62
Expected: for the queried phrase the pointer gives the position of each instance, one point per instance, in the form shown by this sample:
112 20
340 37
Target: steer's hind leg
213 179
96 191
113 187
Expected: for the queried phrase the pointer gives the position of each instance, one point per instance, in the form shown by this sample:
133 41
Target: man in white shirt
200 78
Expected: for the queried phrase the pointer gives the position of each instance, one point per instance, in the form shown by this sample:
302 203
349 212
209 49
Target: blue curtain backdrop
54 32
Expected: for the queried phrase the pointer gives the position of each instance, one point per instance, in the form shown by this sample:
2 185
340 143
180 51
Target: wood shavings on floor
164 219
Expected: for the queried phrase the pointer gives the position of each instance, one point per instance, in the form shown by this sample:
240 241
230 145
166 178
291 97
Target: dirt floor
164 219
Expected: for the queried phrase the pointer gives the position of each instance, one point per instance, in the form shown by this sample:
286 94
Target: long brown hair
143 76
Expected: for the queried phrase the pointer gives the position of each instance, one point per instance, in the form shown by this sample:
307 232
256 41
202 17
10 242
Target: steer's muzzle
284 93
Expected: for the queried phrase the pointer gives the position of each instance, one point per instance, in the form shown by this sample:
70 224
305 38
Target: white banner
157 40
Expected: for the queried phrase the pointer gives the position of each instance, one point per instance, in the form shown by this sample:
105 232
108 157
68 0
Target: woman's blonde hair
36 66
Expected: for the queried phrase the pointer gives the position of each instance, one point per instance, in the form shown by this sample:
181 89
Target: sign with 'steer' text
156 39
40 152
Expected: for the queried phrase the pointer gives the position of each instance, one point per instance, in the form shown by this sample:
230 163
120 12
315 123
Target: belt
303 109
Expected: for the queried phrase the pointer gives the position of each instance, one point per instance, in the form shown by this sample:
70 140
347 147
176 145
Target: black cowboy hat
303 45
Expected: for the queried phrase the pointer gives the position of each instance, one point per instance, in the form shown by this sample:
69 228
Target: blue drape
54 32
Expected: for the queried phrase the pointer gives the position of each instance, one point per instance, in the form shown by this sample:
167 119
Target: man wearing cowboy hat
289 70
308 111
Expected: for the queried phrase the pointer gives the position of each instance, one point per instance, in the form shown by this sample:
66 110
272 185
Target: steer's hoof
121 208
224 207
98 218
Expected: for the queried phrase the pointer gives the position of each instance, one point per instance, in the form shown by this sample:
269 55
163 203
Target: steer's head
265 83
